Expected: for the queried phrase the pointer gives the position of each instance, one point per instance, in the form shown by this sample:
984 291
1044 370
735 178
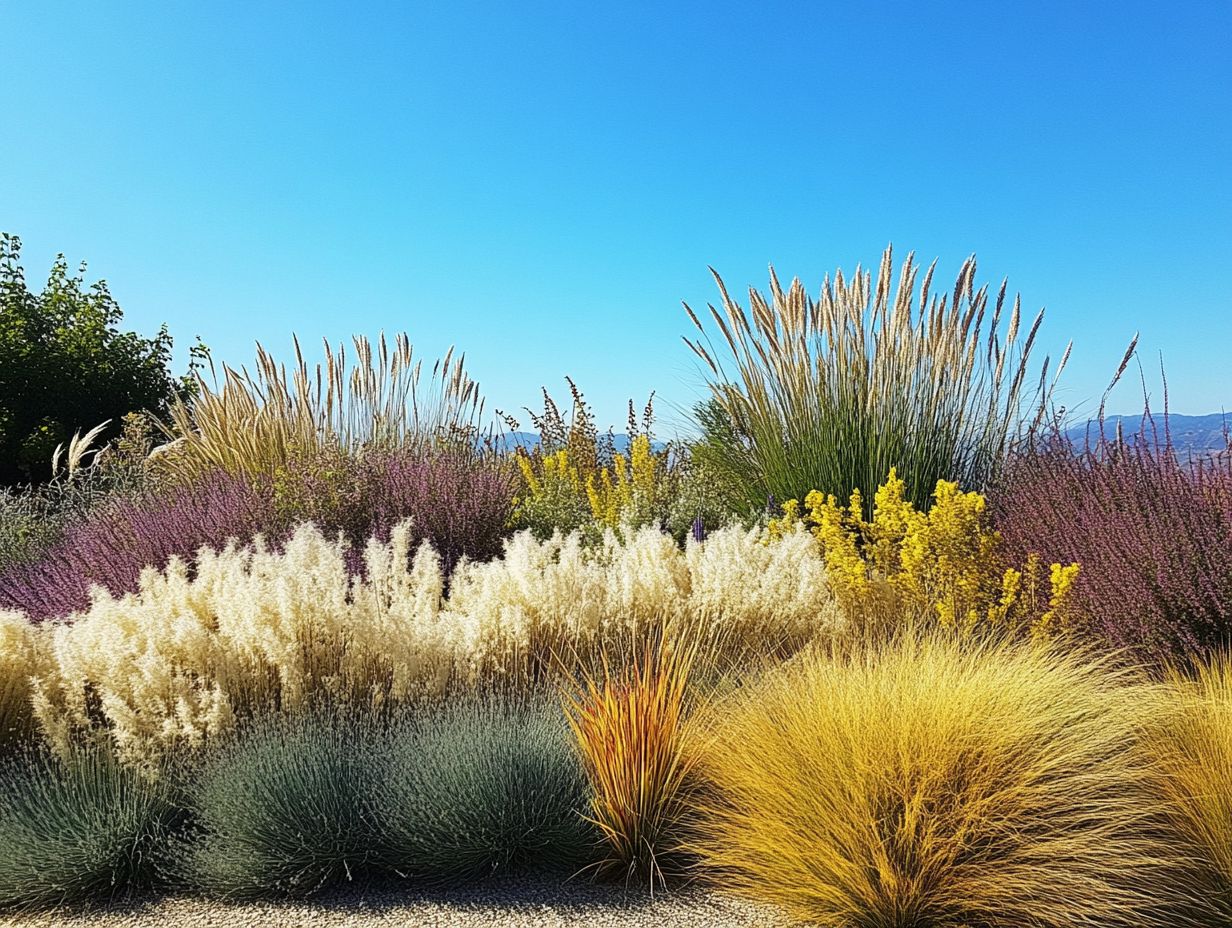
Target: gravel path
520 904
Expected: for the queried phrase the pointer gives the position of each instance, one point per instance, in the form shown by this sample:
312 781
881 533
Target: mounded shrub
114 543
1151 530
931 781
480 786
85 830
283 809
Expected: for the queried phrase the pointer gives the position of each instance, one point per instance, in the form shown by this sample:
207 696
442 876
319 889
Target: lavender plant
1152 531
111 545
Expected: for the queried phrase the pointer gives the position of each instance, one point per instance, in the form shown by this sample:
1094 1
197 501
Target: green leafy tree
66 366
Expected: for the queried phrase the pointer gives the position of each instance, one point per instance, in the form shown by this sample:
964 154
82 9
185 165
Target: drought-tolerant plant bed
859 654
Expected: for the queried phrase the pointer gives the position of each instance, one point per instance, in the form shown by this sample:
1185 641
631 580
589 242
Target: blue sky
544 183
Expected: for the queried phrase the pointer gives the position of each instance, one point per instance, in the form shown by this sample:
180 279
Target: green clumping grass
80 831
283 809
480 786
828 394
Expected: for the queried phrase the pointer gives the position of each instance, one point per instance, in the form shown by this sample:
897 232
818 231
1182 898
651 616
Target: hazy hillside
1196 435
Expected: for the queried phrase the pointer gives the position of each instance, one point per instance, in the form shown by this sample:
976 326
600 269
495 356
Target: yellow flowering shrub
627 492
553 495
565 493
945 562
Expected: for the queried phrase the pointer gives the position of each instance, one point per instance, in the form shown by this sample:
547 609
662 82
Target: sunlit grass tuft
934 782
1193 747
631 725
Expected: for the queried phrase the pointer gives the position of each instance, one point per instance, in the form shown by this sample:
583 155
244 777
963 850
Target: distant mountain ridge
1196 435
1193 435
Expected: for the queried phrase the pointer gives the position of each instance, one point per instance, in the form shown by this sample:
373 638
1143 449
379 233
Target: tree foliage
65 365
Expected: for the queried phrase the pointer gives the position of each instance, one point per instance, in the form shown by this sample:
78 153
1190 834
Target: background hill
1195 435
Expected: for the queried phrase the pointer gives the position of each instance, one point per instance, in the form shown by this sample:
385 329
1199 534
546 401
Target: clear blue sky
543 183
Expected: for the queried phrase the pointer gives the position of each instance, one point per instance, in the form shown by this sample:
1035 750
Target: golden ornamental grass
196 650
828 394
21 659
932 782
1193 748
254 422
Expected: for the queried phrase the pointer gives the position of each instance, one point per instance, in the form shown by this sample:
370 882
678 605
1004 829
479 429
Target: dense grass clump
256 423
482 785
21 659
1193 747
284 809
85 830
932 782
829 394
630 722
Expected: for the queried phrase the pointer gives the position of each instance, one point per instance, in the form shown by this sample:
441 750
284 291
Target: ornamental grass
1192 746
631 724
255 423
284 809
22 658
482 786
938 781
828 394
81 830
198 649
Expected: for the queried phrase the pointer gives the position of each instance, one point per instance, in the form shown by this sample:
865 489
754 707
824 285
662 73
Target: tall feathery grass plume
22 658
1193 748
198 649
255 422
935 781
630 718
828 394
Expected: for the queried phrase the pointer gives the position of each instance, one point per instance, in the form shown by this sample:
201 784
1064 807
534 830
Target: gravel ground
519 904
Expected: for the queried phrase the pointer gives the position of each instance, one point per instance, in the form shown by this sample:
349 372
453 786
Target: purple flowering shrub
459 501
1151 529
111 545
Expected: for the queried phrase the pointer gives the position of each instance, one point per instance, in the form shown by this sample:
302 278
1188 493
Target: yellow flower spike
1060 580
528 472
592 496
643 465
